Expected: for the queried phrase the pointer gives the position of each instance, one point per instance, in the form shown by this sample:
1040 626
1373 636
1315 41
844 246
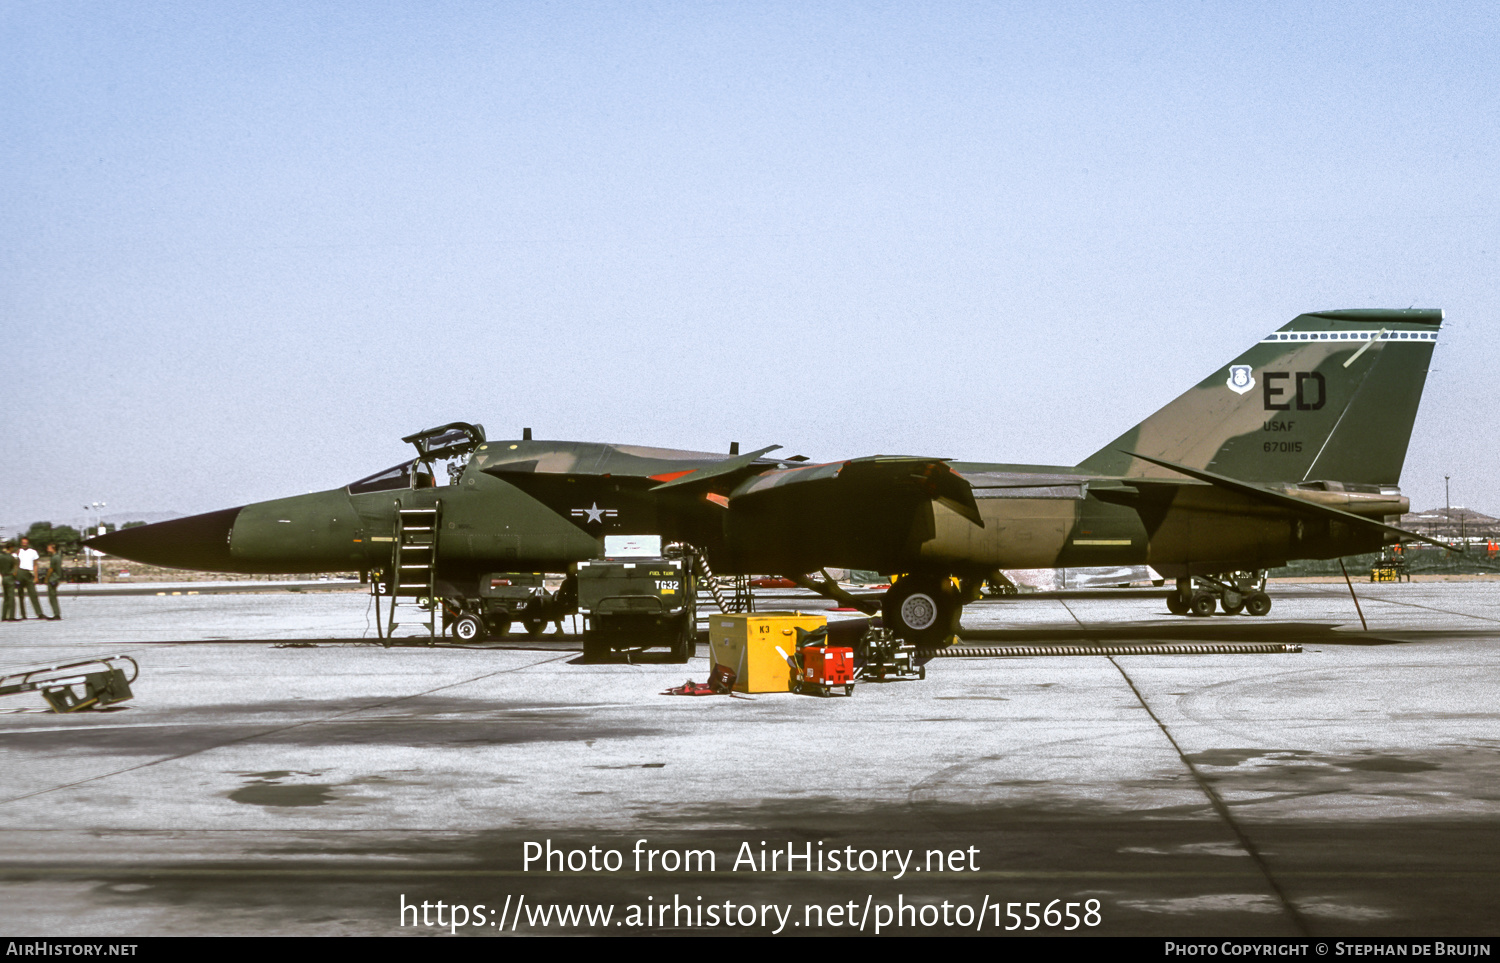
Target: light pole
88 552
1448 508
97 508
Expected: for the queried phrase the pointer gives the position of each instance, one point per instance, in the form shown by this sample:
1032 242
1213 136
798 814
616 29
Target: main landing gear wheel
1202 604
922 610
1258 603
468 628
499 627
595 649
1232 592
535 627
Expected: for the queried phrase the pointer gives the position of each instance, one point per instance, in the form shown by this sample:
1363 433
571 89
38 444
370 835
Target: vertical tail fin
1330 396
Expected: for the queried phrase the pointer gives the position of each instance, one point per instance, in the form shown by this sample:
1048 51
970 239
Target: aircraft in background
1293 450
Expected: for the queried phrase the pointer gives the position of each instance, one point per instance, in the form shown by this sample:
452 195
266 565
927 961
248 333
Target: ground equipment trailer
76 686
504 598
883 656
638 603
1390 567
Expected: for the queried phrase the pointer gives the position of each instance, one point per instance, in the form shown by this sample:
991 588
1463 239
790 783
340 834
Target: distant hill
1450 523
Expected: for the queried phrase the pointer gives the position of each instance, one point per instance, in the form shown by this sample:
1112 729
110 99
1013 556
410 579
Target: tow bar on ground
76 686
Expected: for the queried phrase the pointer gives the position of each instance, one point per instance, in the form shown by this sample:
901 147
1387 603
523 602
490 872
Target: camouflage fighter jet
1293 450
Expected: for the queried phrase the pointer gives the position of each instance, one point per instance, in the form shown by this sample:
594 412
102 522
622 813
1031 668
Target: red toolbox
824 667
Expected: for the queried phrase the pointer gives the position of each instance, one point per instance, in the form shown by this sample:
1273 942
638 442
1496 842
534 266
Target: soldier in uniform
8 577
26 579
53 575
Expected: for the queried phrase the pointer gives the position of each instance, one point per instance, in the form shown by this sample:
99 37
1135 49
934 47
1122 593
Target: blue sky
245 248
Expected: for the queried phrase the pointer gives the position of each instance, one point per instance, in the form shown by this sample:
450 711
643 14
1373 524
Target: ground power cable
1214 799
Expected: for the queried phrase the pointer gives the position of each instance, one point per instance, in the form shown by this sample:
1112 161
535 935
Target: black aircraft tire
468 628
1175 604
922 611
1202 604
1258 604
595 649
535 627
499 625
1233 603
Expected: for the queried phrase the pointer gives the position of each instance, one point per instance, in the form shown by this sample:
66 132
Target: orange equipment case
824 667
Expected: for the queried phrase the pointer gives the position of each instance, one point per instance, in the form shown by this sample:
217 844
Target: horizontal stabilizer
1288 501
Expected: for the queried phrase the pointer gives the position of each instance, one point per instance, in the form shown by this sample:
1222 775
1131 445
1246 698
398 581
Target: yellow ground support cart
757 645
1390 568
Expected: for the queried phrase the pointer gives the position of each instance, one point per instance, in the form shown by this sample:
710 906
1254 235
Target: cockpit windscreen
384 481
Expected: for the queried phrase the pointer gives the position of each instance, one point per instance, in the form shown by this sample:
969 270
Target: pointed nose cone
197 542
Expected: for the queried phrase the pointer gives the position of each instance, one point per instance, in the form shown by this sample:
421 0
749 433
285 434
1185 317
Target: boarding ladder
413 570
742 600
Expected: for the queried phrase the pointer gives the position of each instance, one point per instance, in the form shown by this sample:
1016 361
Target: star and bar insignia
595 513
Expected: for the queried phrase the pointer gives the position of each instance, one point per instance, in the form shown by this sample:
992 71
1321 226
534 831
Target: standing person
53 575
8 577
26 579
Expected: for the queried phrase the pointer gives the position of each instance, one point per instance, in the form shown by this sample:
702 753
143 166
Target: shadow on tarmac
1151 872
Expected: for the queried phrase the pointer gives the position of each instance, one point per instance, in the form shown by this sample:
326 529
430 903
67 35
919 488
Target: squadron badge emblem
1240 379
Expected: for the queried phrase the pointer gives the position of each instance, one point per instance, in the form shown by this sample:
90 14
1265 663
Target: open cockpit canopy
453 440
445 443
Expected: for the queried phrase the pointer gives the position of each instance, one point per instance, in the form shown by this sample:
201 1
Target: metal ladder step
413 563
